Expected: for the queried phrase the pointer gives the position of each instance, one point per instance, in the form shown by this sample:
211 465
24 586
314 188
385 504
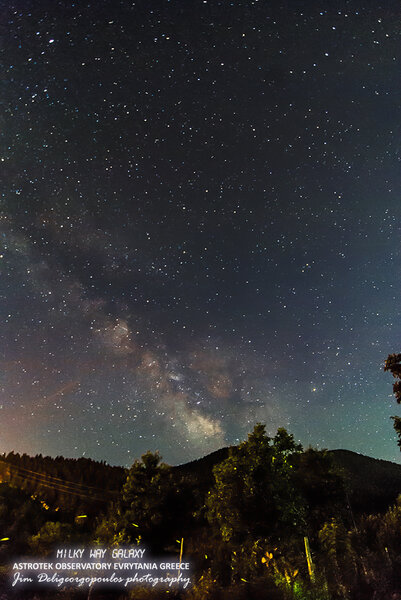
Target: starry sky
200 224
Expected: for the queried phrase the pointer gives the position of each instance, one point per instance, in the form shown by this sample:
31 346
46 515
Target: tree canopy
254 493
393 364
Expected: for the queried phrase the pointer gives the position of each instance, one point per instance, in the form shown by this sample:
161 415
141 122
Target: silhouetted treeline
66 482
265 520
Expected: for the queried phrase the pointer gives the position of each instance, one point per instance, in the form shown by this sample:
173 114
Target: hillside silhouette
264 519
372 484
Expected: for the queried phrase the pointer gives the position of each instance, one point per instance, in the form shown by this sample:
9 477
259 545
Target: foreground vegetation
272 522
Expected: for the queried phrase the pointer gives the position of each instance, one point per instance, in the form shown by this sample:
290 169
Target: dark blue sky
200 225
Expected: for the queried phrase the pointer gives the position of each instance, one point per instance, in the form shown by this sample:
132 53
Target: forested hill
65 482
373 484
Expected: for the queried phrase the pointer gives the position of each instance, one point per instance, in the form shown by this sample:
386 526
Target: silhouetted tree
393 364
254 494
154 507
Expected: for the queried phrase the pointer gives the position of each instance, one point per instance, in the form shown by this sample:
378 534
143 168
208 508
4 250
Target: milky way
200 225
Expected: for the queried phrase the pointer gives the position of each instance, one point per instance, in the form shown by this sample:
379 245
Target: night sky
200 224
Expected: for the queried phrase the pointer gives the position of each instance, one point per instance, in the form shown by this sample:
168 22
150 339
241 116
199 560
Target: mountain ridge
373 484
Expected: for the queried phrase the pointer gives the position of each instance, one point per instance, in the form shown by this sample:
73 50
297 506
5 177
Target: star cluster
200 224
